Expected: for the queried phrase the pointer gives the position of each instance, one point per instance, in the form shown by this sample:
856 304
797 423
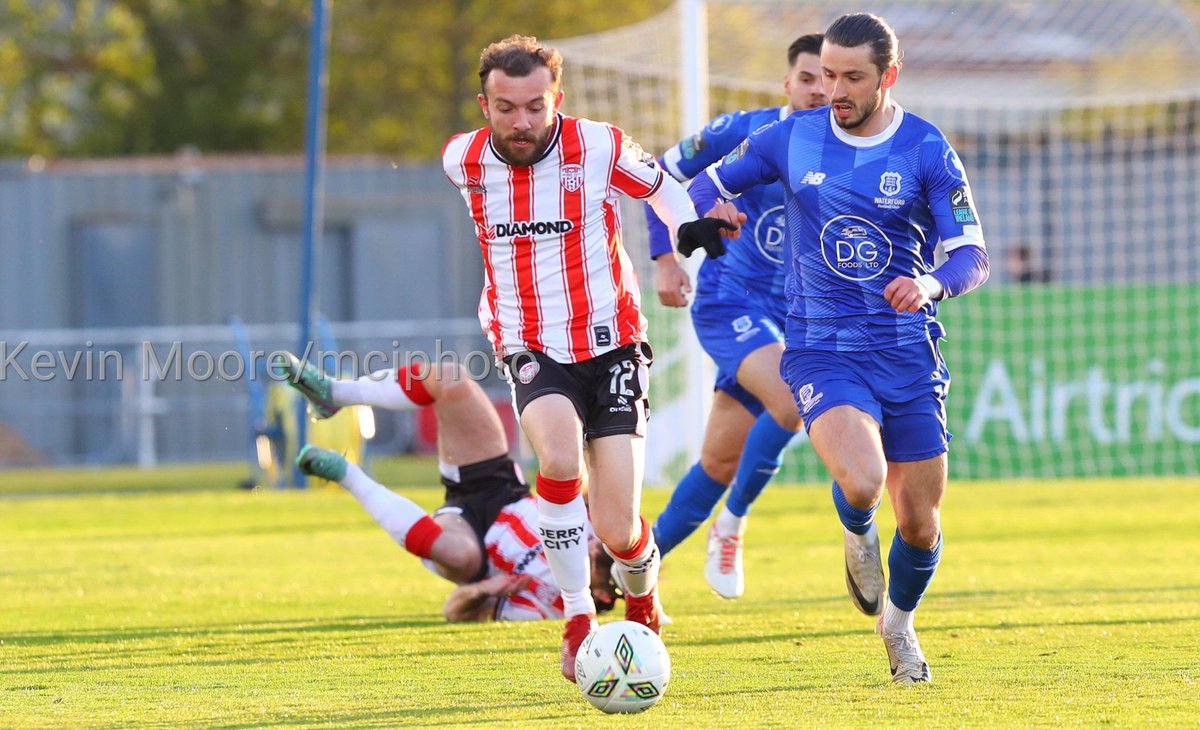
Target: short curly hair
518 56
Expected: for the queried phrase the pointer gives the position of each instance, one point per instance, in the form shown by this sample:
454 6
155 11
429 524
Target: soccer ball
623 667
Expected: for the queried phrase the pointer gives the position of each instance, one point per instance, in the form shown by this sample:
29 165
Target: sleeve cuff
932 285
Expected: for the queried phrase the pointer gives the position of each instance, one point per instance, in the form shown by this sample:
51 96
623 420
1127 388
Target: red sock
559 491
639 547
421 536
412 382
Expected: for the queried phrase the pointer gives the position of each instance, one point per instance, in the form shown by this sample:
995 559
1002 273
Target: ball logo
571 177
889 183
528 372
855 248
768 234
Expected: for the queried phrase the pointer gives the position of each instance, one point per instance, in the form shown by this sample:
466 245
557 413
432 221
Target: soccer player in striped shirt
484 538
561 308
739 314
871 190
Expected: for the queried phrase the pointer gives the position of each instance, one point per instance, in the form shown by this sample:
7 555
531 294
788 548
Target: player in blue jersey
871 190
739 314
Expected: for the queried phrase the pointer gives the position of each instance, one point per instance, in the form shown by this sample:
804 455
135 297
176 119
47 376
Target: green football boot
317 462
306 378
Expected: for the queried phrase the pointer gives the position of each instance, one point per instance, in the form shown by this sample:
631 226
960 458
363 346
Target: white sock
395 514
871 534
730 524
577 602
563 529
639 574
380 389
896 621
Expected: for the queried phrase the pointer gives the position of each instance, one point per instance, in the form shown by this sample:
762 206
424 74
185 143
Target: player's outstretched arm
477 601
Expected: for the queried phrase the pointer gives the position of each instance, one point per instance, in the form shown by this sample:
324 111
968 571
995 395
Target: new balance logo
812 178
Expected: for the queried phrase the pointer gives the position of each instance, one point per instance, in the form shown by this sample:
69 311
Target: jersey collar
558 125
855 141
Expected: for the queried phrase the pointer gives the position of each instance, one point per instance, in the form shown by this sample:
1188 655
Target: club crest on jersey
571 177
528 372
889 183
474 185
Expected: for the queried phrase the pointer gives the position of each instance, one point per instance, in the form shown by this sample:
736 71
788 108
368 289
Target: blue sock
911 572
691 504
856 520
760 461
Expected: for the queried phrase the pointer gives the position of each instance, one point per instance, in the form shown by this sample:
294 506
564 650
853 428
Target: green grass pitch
1071 603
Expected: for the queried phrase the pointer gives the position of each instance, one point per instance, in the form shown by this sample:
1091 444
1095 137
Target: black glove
704 233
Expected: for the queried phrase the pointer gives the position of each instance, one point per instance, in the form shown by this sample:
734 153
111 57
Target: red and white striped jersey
557 278
513 548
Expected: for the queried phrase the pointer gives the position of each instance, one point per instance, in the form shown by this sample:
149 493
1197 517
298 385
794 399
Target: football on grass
623 667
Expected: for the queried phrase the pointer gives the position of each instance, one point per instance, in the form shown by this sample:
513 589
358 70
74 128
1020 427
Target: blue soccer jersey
752 267
860 212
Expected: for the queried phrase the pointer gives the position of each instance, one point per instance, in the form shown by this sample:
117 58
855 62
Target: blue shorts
902 388
728 332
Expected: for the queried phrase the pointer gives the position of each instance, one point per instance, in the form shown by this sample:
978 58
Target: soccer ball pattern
623 667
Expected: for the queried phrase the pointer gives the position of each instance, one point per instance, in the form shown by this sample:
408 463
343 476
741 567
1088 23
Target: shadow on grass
103 636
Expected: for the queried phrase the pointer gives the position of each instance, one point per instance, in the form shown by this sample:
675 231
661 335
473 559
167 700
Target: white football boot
864 570
904 655
723 565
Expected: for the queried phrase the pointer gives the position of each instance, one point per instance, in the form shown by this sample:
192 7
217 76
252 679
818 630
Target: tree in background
121 77
72 75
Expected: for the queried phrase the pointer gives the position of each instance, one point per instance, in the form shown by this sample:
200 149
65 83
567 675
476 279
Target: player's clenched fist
906 294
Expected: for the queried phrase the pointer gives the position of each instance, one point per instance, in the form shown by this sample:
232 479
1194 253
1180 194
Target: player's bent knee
719 468
923 535
559 466
862 489
442 379
457 557
618 536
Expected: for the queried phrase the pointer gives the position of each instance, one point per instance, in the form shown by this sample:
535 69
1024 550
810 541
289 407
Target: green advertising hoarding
1067 381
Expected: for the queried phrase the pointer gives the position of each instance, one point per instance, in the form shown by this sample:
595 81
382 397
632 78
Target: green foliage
1058 603
71 75
116 77
404 75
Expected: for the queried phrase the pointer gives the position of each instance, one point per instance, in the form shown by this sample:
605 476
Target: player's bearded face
853 83
851 112
521 112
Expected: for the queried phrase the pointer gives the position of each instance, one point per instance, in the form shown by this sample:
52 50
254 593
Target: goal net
1079 125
